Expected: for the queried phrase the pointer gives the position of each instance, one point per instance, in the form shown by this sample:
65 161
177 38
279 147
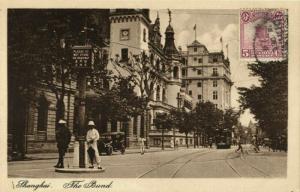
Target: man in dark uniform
63 137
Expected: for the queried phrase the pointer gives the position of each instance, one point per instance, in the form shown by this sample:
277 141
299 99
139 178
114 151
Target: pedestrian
176 144
92 137
142 145
63 138
255 144
210 142
240 147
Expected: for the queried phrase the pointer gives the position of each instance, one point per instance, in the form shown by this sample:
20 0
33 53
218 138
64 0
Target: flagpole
195 33
227 50
195 29
221 40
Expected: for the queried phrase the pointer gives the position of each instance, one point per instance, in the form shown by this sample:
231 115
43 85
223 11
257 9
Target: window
215 95
215 83
215 59
144 35
114 125
183 72
195 49
200 97
175 72
157 64
195 58
163 68
158 93
156 141
190 92
216 105
199 84
124 54
215 71
199 71
164 98
200 60
181 141
42 114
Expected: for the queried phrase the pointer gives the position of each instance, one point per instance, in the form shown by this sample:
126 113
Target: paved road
184 163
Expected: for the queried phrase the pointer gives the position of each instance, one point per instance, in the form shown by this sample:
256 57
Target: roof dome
169 29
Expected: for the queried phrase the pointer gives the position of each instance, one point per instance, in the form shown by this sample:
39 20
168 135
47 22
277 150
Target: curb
79 170
50 158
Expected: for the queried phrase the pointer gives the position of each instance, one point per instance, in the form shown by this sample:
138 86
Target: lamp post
82 57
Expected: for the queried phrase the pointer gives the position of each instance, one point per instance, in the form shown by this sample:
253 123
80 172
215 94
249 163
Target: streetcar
223 138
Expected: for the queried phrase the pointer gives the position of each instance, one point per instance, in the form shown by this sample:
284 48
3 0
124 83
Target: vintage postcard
141 97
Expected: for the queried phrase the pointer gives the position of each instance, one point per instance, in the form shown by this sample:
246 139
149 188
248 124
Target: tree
40 44
268 101
163 121
144 75
208 119
184 121
117 102
230 118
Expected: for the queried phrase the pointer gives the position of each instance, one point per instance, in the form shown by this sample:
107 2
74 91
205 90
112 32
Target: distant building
207 75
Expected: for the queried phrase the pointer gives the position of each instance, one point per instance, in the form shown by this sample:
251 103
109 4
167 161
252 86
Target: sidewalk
45 156
263 152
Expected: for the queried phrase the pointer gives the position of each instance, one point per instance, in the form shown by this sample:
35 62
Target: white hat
91 123
62 121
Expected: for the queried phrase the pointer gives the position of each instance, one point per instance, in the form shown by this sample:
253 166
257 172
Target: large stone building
133 33
207 75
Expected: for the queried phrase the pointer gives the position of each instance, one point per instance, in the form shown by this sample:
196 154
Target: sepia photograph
147 93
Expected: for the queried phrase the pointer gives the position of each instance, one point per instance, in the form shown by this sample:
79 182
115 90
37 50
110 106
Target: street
182 163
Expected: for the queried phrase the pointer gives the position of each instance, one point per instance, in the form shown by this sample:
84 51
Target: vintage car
111 141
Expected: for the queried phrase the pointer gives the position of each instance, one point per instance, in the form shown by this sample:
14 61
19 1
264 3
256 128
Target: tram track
260 171
257 169
197 154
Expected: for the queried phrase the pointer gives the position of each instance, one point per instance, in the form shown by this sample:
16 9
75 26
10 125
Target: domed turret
170 48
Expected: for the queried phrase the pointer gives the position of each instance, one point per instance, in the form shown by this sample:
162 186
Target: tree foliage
184 121
163 122
208 118
40 48
268 102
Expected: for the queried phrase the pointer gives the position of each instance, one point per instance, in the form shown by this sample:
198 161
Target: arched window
151 58
42 114
163 68
158 93
164 98
144 35
175 72
157 64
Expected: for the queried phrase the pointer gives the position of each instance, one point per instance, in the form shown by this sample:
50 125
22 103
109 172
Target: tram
223 138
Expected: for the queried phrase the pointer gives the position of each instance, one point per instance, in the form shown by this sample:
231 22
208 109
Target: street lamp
82 57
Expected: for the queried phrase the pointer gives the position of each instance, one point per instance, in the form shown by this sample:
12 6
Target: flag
195 27
221 40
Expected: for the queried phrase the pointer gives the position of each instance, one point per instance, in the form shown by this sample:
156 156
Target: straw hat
91 123
62 121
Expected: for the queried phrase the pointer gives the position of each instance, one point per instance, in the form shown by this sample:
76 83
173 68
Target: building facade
207 75
133 33
31 121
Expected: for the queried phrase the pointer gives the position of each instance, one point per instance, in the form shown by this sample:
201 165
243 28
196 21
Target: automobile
111 141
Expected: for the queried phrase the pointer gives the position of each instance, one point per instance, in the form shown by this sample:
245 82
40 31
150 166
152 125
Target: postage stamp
263 34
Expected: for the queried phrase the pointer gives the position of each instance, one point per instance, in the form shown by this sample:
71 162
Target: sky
210 26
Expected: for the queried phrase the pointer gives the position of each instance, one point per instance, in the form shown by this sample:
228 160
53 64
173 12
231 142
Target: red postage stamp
263 34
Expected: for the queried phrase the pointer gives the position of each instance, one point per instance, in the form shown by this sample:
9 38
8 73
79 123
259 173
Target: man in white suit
92 137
